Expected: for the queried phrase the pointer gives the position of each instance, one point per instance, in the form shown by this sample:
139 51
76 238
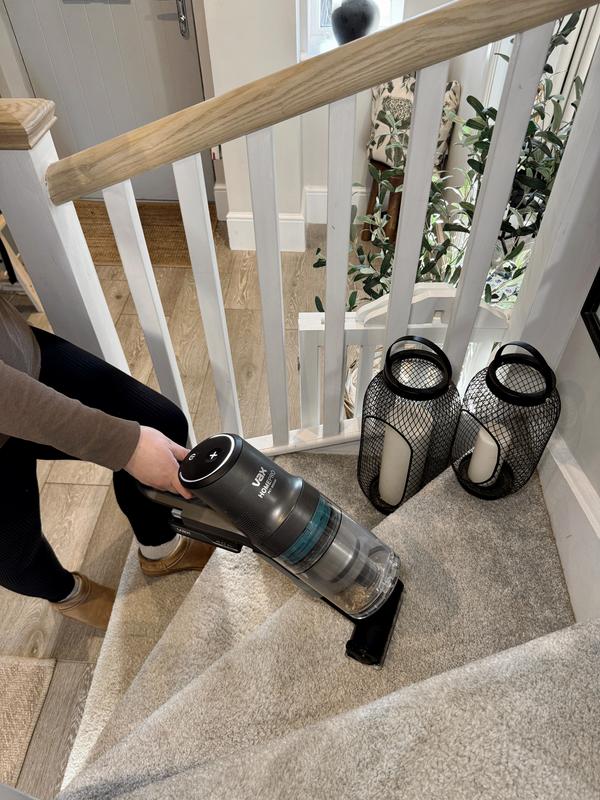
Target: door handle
182 18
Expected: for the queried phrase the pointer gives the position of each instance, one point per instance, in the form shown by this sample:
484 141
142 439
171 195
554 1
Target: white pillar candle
396 460
484 459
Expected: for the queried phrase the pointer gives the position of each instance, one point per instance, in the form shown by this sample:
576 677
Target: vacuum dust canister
291 522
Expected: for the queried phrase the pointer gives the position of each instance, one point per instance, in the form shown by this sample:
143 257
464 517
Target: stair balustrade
37 190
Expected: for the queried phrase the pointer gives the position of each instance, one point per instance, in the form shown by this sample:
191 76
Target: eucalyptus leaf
374 173
475 103
552 137
476 124
475 165
533 183
451 226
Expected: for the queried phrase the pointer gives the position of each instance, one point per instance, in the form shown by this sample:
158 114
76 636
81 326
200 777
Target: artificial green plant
450 211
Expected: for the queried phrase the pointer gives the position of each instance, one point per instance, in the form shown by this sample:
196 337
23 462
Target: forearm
33 411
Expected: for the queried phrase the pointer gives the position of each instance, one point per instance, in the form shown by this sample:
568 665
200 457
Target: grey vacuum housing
254 502
288 520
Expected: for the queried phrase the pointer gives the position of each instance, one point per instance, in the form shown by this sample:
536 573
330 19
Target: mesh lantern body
509 412
410 412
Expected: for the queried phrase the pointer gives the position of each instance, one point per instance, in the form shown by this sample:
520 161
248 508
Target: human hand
155 462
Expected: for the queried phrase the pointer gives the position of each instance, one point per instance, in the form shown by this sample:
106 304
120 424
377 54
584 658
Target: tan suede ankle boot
91 604
189 555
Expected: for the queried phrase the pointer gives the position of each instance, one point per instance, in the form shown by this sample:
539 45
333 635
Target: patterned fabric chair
391 111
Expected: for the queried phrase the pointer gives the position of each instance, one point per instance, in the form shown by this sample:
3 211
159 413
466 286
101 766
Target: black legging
28 565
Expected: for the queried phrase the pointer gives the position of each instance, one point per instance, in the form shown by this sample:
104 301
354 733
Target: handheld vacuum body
292 523
256 503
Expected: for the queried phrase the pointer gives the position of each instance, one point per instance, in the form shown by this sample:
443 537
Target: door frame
15 82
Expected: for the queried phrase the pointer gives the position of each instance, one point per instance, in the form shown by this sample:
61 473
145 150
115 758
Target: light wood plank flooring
80 515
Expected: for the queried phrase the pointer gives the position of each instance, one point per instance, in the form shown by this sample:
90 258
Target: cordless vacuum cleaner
244 499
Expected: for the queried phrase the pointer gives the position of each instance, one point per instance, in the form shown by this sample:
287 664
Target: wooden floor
80 515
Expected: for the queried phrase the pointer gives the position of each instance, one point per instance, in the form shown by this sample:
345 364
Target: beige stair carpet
480 577
24 684
523 724
144 607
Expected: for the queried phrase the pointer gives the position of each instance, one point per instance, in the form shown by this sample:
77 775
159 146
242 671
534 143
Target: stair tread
473 587
523 723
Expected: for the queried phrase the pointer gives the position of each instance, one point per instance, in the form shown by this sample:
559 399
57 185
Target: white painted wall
14 81
570 473
579 385
470 69
248 41
314 143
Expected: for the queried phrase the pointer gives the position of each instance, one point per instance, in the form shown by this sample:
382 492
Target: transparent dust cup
348 564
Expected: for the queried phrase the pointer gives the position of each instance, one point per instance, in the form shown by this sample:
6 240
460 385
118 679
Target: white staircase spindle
261 165
424 133
520 87
191 190
342 115
365 375
131 243
565 256
54 249
310 380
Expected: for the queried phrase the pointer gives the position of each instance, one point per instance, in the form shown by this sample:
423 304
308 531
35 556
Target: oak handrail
419 42
24 121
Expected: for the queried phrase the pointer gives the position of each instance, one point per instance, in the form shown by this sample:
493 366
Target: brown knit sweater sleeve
33 411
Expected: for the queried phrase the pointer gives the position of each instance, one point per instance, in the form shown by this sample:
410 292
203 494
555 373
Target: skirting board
315 199
291 226
574 508
292 231
221 203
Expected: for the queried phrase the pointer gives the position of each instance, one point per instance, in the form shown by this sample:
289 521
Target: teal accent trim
310 535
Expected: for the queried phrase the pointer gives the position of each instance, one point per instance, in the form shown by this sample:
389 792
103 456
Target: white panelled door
111 65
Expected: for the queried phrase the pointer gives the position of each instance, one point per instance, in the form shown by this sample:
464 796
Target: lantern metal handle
535 360
437 357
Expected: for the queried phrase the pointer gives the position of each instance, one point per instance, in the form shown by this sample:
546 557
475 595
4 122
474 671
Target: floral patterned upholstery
396 99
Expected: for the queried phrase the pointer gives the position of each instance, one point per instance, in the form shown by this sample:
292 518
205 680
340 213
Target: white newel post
50 237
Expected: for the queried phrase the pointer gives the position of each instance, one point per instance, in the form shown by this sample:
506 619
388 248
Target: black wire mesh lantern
509 412
410 413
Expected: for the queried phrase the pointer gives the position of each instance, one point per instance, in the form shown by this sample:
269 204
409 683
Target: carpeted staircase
235 685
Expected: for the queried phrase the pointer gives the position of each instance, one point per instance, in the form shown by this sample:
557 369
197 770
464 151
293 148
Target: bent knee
173 422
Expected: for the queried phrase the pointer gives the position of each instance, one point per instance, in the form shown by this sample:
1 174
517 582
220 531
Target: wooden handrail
23 122
419 42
